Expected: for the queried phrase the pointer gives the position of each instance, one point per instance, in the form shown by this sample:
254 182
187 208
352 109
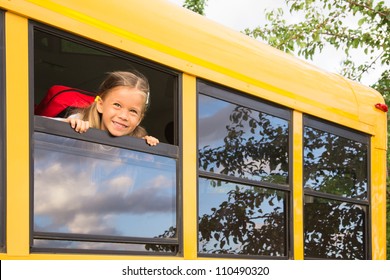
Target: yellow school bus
261 155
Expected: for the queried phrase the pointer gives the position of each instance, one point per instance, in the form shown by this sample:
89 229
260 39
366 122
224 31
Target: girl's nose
124 114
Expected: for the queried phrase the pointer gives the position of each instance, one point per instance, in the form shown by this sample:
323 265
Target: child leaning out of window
119 107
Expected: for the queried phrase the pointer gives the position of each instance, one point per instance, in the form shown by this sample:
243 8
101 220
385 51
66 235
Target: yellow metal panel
199 47
367 98
193 44
17 135
298 185
190 220
378 201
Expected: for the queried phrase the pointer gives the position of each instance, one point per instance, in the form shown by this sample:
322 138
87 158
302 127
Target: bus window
62 59
336 188
2 135
93 192
244 183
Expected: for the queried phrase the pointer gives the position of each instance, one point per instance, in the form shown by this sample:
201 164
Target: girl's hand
78 125
152 141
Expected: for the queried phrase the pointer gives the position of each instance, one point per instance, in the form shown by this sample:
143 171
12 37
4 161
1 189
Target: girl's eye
133 111
117 105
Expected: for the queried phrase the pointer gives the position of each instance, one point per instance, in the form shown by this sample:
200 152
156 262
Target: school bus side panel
18 172
179 38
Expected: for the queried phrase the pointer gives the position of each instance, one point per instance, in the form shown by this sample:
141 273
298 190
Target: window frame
100 46
3 133
55 127
230 95
348 133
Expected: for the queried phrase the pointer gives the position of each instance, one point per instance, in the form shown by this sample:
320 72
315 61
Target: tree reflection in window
243 144
240 142
240 219
335 166
334 229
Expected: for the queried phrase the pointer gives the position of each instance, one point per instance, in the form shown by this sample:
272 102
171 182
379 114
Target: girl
119 108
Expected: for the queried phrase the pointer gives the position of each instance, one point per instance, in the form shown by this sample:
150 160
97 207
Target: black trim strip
3 136
237 256
60 128
236 97
317 194
243 181
104 238
101 252
335 129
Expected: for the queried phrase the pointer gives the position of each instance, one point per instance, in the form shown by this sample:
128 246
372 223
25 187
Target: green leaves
348 24
196 6
361 21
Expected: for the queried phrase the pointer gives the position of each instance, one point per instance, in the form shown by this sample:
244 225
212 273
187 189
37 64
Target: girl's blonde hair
132 79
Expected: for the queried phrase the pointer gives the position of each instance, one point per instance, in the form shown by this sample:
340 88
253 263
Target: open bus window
61 59
95 192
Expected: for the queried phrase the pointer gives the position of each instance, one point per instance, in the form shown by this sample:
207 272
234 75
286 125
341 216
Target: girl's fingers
78 125
82 126
152 141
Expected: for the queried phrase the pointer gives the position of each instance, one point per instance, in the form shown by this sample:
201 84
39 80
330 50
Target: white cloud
82 194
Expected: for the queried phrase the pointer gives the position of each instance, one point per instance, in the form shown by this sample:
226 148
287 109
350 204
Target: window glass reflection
241 142
334 230
241 219
68 244
336 165
87 188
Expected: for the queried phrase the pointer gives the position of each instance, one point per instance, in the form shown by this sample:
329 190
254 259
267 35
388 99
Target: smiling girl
118 108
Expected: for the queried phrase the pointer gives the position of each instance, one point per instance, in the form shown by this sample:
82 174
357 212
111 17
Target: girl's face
122 110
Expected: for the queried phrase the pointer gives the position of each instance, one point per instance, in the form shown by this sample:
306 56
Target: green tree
197 6
359 28
349 25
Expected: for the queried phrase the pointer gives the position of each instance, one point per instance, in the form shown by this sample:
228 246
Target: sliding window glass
94 193
336 187
244 175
